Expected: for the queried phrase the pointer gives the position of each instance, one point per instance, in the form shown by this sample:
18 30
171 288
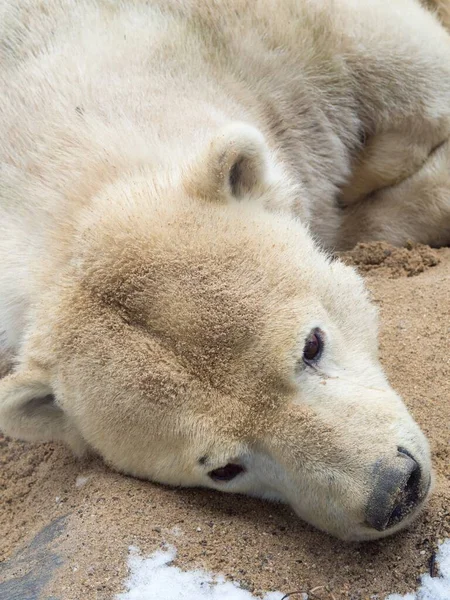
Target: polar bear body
163 166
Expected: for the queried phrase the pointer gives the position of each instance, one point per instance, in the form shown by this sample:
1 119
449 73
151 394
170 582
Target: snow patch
155 578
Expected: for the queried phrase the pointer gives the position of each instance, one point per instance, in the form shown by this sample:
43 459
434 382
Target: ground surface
66 525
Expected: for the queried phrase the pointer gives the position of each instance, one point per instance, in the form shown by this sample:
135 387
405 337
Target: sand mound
383 259
66 525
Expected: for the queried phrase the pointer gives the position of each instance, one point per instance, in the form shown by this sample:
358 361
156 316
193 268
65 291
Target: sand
66 525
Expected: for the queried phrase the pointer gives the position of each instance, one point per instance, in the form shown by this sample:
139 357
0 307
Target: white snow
433 588
156 578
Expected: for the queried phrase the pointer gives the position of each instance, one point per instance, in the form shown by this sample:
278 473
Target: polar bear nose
398 489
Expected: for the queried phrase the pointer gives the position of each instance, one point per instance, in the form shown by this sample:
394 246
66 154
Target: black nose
397 490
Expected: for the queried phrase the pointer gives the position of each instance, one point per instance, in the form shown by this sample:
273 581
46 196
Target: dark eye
313 347
226 473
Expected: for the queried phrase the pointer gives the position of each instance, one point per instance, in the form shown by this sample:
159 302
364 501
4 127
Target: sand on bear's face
264 546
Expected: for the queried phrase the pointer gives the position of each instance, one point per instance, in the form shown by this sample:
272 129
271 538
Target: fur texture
442 9
167 169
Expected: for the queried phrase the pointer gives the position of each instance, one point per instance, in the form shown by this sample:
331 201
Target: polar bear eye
313 347
226 473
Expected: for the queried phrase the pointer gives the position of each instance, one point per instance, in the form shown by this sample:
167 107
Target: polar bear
174 174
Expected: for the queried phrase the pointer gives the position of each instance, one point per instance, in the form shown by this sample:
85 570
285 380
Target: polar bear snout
399 489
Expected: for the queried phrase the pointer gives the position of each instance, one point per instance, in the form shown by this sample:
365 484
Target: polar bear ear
235 164
28 411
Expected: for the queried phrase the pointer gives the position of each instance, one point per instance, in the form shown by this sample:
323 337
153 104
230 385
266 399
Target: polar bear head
199 339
